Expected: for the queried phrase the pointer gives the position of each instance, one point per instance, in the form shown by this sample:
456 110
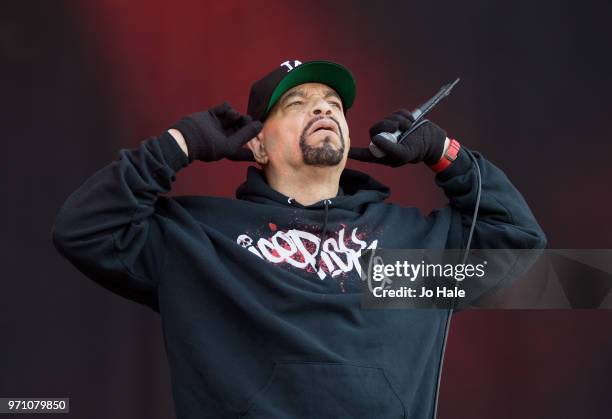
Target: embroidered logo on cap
288 65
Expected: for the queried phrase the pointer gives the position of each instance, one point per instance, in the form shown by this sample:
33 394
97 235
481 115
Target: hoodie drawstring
322 237
323 232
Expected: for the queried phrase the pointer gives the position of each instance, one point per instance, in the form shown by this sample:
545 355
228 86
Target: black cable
465 255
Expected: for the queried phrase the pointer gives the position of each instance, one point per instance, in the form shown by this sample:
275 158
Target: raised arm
111 228
504 218
108 229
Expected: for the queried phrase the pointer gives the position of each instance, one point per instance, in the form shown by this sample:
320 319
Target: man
260 295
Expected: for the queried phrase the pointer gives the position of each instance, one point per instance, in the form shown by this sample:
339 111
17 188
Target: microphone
417 115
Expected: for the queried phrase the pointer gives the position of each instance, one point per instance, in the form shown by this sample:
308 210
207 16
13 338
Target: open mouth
325 125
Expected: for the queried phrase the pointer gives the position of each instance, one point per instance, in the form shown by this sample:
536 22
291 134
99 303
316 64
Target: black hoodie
259 321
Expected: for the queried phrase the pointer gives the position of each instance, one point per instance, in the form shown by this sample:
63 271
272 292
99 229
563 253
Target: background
80 80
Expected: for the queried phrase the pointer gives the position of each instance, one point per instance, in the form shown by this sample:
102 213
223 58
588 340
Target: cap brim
332 74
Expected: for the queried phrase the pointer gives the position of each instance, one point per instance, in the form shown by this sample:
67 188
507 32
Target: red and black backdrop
80 80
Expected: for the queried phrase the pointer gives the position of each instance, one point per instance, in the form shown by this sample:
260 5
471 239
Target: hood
357 189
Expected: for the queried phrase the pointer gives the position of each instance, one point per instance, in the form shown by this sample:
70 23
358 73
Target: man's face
307 127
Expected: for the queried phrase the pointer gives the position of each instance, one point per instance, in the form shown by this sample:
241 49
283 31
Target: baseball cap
268 90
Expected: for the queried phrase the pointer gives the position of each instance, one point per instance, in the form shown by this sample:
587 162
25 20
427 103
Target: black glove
425 144
218 133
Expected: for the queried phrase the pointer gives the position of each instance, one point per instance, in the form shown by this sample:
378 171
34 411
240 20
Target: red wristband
448 157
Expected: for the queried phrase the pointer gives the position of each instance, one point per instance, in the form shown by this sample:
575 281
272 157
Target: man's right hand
218 133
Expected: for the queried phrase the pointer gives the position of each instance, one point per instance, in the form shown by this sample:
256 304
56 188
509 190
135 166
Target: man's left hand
425 144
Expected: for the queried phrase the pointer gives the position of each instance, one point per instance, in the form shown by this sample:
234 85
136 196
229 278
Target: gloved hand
218 133
425 144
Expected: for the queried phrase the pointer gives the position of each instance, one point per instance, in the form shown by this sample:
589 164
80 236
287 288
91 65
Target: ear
257 147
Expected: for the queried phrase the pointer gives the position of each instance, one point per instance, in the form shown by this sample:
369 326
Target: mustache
318 118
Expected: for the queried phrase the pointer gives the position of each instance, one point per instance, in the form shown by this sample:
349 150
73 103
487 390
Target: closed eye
295 103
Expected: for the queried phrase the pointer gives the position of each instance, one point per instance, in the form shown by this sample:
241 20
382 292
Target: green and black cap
268 90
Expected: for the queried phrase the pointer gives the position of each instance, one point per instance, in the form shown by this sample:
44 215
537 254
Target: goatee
324 154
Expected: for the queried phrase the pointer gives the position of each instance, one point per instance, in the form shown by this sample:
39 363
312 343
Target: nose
321 107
